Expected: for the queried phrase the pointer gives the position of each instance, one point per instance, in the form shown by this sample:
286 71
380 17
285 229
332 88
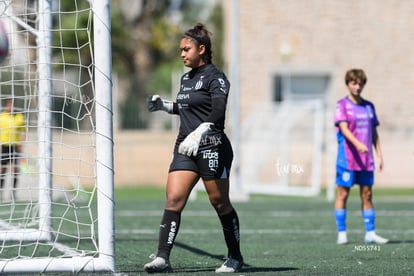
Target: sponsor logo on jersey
338 111
346 176
213 159
183 106
361 116
199 84
208 154
184 88
223 87
183 96
370 111
211 140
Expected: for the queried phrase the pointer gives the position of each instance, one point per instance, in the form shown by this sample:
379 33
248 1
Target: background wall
334 35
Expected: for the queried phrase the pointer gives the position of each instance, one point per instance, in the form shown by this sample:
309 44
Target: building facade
313 43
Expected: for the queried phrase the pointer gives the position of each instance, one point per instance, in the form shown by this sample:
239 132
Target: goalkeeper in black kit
202 149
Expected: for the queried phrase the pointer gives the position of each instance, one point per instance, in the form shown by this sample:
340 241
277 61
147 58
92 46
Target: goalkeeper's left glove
191 143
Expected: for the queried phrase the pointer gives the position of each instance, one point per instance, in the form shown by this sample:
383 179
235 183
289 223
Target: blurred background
286 61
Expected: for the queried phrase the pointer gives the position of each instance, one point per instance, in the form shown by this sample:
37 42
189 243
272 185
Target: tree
145 47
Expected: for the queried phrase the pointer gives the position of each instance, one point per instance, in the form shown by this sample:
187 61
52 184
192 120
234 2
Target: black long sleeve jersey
202 98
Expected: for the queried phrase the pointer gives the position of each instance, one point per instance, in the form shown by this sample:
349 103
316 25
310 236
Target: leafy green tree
145 38
166 38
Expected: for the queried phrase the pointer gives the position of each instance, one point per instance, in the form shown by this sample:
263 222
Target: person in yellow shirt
12 133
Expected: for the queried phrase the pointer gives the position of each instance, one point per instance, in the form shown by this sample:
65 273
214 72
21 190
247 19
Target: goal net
56 208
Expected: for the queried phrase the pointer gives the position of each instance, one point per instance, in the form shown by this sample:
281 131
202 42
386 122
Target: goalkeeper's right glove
155 103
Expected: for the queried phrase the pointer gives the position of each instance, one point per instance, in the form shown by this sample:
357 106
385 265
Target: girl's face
355 88
191 53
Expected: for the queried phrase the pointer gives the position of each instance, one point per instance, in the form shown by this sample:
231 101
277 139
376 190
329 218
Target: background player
12 133
356 126
201 150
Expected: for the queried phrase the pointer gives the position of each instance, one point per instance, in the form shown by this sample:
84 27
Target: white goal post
60 215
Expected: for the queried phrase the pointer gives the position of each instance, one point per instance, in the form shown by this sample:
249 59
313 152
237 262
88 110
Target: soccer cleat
372 237
342 238
158 265
229 266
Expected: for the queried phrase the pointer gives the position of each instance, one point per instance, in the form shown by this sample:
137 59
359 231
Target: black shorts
213 160
9 154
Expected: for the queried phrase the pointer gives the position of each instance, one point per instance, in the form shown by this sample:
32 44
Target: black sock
231 230
170 224
14 181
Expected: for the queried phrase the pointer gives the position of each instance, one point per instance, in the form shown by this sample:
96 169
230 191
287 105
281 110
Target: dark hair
201 36
354 75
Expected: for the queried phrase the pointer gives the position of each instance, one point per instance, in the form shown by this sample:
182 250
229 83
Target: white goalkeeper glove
155 103
191 143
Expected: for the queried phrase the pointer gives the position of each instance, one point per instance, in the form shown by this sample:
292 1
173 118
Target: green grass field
279 235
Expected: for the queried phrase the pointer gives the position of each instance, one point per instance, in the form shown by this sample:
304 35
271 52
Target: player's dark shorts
213 160
347 178
9 154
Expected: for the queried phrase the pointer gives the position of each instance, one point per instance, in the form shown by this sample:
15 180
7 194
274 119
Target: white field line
258 231
153 213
